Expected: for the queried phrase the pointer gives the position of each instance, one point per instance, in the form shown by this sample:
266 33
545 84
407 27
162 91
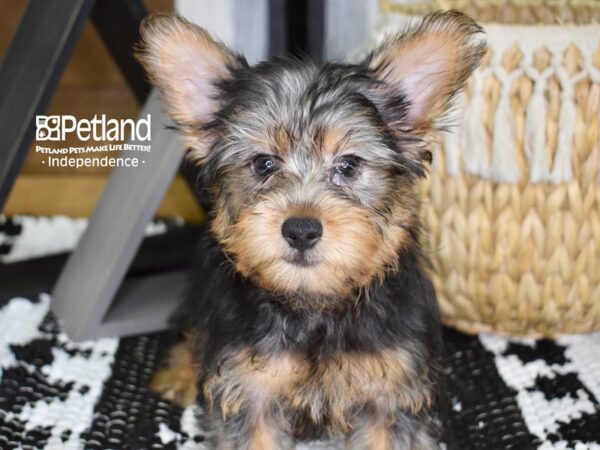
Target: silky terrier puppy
311 313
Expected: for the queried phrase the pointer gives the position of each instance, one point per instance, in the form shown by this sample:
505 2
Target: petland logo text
56 128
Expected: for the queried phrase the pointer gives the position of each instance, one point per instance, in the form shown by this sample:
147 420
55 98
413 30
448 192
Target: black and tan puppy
311 314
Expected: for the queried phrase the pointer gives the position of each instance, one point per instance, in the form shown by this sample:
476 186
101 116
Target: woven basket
513 201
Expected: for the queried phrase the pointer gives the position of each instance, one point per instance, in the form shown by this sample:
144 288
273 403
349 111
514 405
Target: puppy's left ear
423 68
186 64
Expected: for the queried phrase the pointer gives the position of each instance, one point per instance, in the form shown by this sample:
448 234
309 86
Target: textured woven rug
56 394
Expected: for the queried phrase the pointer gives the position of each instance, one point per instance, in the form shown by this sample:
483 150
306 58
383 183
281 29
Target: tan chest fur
385 380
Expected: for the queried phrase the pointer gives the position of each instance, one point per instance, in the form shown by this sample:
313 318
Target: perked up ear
423 68
185 63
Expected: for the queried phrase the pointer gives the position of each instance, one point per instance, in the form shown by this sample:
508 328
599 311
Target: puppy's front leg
375 431
371 433
252 429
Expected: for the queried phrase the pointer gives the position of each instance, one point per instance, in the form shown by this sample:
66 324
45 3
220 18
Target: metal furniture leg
90 297
118 23
29 73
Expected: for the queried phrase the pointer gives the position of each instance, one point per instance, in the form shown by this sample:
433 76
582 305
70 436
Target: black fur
401 309
234 314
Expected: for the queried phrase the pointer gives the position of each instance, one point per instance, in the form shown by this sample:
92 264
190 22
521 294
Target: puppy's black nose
302 233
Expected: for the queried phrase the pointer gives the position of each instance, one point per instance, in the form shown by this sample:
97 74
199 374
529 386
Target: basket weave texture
513 201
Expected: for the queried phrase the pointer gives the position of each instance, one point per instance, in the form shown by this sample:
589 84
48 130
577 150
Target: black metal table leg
29 74
118 22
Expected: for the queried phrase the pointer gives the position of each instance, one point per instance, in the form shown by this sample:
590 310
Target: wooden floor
91 85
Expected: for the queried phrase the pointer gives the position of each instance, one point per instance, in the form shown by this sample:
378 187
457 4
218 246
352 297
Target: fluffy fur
341 338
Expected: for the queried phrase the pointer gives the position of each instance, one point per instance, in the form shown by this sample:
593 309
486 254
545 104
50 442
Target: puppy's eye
347 167
264 165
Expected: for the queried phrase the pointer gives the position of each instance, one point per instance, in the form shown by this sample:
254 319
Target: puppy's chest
334 387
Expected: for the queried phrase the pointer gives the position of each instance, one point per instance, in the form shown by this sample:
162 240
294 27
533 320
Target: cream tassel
567 120
535 130
476 159
504 163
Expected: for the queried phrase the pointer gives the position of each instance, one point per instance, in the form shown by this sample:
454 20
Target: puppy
311 314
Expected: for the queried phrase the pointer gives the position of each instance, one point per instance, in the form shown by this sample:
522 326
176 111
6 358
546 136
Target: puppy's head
312 168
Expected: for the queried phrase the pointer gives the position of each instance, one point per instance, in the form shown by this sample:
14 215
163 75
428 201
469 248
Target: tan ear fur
428 64
184 62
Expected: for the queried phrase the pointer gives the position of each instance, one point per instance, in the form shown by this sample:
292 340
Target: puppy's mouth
301 259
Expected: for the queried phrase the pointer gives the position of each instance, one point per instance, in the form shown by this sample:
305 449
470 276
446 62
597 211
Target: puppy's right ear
185 63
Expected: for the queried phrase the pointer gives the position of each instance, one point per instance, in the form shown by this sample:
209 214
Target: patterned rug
56 394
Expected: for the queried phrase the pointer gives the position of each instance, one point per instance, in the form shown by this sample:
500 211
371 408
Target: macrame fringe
489 148
505 167
476 151
535 135
562 170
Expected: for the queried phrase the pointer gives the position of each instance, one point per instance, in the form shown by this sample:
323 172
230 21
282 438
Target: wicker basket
513 201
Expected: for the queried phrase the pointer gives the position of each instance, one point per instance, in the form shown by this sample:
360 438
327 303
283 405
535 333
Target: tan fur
247 379
386 378
351 252
176 382
357 247
263 436
331 141
430 63
378 436
183 61
280 141
221 221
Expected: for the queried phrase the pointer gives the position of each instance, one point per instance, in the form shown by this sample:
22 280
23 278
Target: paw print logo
47 128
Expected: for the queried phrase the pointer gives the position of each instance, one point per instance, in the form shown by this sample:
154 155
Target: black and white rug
56 394
26 237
